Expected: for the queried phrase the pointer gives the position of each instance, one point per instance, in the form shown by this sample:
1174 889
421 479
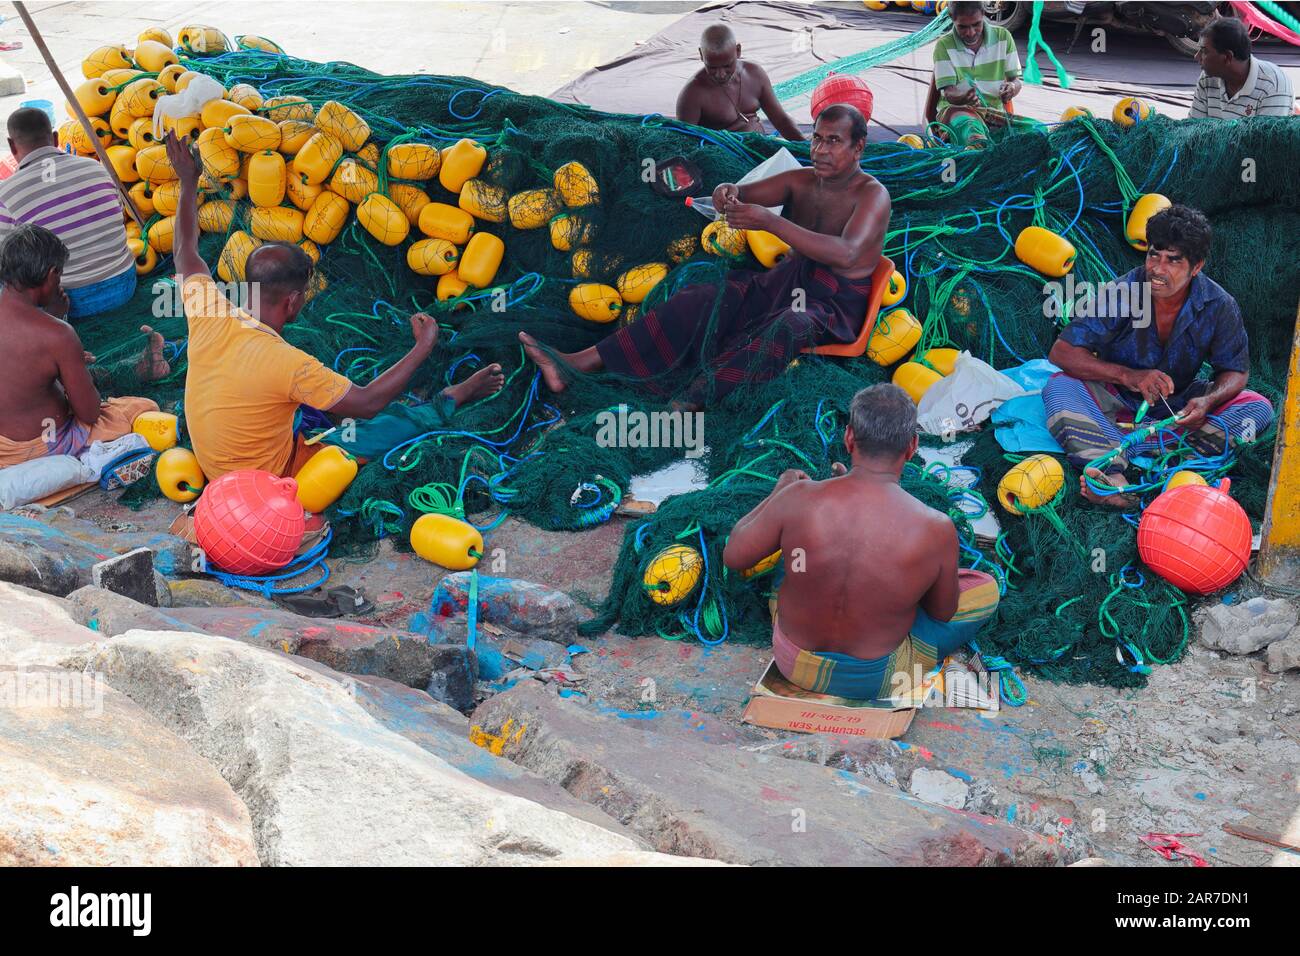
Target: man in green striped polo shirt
977 73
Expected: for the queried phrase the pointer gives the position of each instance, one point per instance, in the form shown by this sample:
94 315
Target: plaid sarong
928 643
762 326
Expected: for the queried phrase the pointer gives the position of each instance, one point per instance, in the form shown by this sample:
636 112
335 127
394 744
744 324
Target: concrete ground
1213 740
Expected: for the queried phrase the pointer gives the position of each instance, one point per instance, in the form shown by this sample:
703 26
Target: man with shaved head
245 383
728 92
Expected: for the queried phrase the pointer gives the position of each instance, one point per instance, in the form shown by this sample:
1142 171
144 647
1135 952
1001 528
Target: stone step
718 801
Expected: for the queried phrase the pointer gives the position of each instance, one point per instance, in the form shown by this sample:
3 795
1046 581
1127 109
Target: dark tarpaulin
776 36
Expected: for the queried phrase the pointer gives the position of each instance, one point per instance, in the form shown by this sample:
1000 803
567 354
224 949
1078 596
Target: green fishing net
956 214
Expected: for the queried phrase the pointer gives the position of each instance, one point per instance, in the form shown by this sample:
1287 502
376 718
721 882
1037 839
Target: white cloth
102 453
33 480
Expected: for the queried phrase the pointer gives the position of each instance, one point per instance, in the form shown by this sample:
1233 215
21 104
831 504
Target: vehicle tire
1187 46
1010 15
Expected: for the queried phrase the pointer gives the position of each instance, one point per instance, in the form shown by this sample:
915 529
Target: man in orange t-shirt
245 383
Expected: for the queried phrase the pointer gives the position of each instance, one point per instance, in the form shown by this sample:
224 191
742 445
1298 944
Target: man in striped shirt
75 198
1234 84
977 74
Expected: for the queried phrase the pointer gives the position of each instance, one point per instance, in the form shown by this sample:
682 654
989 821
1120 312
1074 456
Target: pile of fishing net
541 457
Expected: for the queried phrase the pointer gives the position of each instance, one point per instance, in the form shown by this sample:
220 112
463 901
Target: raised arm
185 244
775 111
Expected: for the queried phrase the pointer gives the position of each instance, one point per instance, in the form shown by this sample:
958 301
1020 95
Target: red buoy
1195 537
838 88
249 522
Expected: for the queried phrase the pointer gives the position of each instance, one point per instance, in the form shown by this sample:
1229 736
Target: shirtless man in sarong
728 92
835 217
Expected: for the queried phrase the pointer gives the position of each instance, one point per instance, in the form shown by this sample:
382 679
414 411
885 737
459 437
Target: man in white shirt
1234 84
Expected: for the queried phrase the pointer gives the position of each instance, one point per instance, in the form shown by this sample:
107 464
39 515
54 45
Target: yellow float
461 163
160 429
325 477
895 334
1135 230
1045 251
915 379
532 208
432 257
595 302
441 221
325 218
1031 484
1180 478
896 290
639 281
267 176
343 124
721 240
673 574
484 201
576 186
383 219
447 541
481 259
178 473
767 248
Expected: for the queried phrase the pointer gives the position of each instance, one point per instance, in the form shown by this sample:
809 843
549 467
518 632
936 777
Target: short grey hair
883 420
28 254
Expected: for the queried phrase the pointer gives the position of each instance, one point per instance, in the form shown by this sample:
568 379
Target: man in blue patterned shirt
1125 354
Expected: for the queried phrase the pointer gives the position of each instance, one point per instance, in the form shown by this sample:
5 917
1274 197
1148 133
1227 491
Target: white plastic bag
190 101
779 162
961 401
33 480
102 453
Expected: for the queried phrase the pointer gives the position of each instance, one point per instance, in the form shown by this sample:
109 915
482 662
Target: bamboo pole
82 118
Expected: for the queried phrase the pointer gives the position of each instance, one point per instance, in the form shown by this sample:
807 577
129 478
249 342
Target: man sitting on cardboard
872 587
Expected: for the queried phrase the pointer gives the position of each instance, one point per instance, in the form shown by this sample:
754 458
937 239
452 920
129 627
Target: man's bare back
38 350
869 552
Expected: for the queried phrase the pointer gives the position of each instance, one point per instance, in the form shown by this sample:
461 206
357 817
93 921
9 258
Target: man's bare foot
549 368
838 469
486 381
1114 501
152 366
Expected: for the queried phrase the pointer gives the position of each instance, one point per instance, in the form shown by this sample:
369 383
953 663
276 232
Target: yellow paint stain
496 743
284 646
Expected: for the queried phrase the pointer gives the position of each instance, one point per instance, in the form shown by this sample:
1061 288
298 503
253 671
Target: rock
345 646
437 728
90 779
162 590
325 783
936 786
111 614
205 592
501 652
1245 628
715 800
1284 655
130 575
38 629
32 565
521 606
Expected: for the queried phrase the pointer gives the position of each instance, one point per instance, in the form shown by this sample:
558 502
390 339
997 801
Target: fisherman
728 92
49 402
245 383
850 622
817 295
977 73
1234 84
1129 354
75 198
